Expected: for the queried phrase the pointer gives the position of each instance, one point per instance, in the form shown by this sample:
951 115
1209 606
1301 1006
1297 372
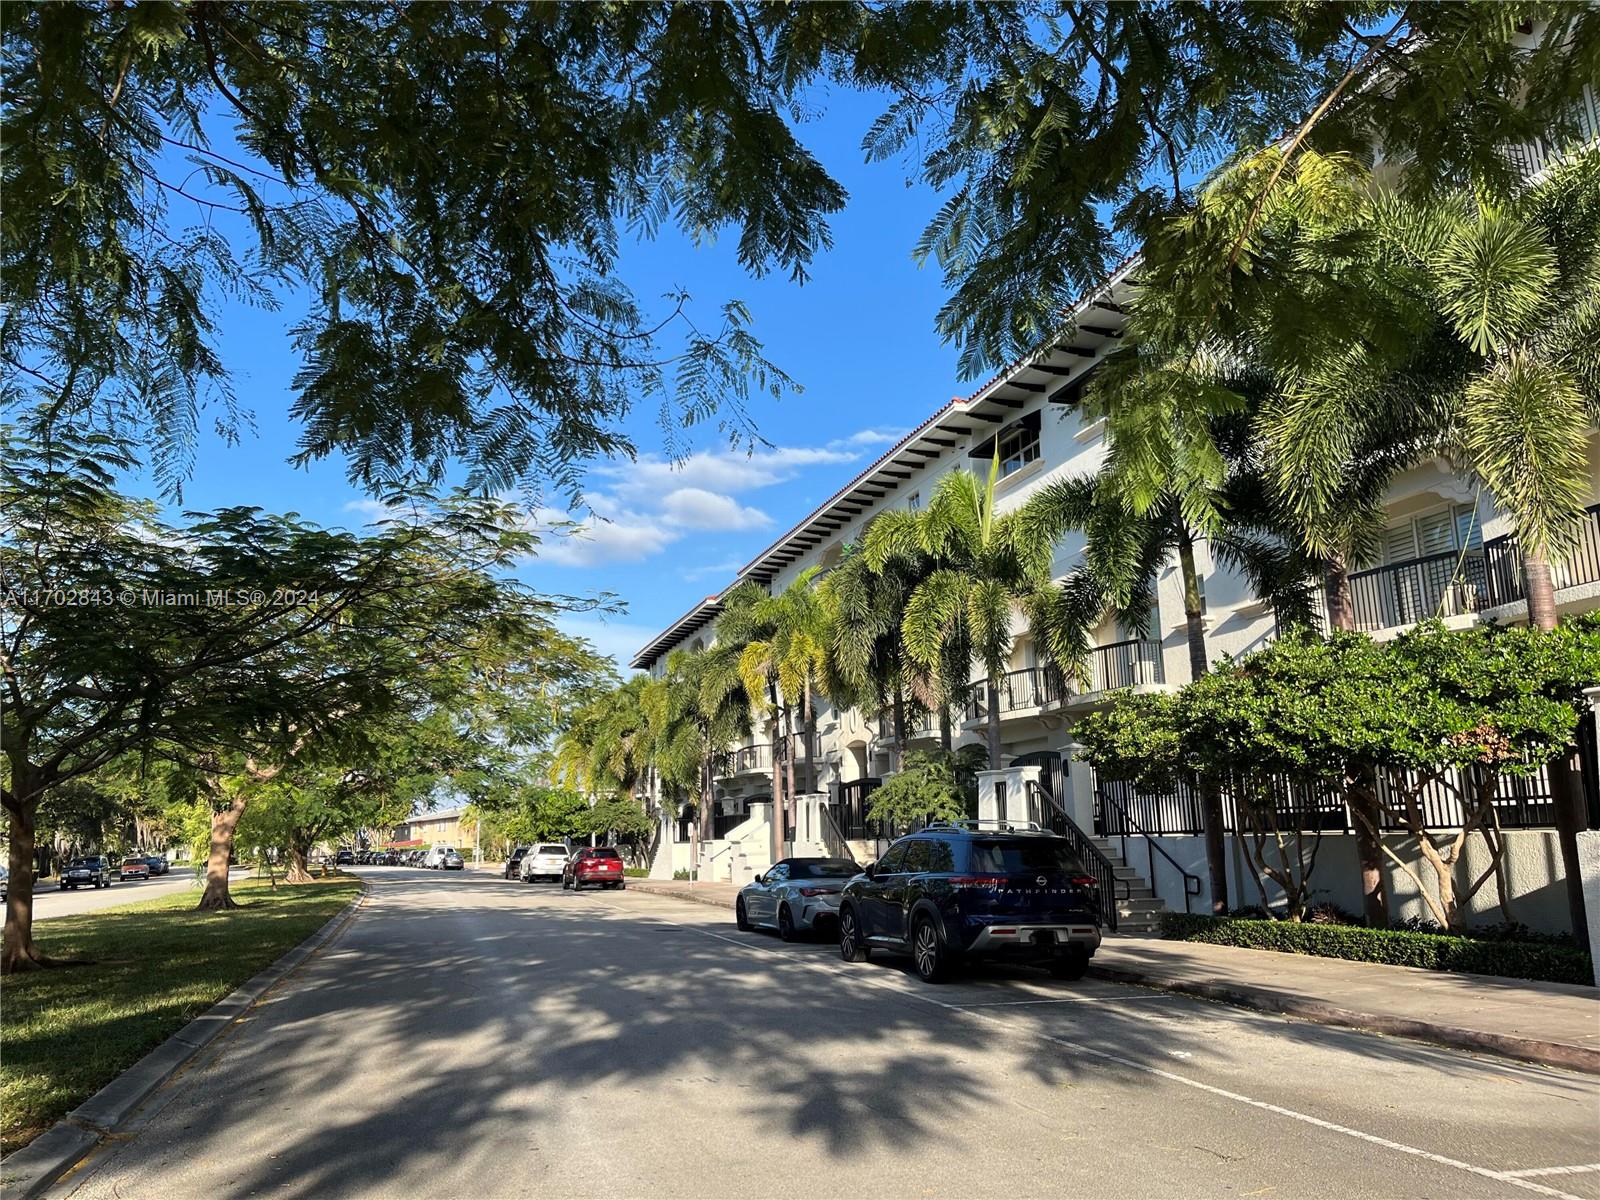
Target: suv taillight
1085 881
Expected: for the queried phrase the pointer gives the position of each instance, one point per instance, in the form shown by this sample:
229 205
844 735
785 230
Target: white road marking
968 1011
1531 1171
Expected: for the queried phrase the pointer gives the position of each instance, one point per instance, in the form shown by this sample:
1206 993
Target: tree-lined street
471 1036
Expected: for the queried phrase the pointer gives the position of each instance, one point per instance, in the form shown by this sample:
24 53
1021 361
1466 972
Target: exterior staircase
1141 911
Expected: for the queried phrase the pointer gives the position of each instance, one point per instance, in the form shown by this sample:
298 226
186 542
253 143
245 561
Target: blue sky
858 336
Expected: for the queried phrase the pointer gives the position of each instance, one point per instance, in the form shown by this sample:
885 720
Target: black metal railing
1129 827
721 823
1521 802
1031 687
1092 858
1471 581
1126 664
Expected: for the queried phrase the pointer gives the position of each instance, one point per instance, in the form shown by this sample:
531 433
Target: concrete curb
1533 1050
32 1169
643 885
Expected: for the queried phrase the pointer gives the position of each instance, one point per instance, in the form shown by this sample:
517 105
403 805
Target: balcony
757 760
1462 583
1132 663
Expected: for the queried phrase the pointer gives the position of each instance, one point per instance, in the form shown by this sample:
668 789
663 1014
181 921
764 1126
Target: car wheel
1072 965
851 946
786 929
928 952
741 918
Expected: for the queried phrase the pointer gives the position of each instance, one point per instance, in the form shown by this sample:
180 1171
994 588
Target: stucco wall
1532 866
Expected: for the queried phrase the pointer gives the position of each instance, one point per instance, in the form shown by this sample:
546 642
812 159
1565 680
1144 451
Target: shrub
1395 947
636 872
680 875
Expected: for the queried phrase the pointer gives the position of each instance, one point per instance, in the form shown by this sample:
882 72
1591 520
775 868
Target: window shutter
1399 544
1435 534
1469 530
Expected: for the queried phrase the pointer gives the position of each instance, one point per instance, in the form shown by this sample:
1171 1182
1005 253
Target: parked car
451 861
593 864
514 862
548 860
795 896
972 890
157 863
134 867
92 870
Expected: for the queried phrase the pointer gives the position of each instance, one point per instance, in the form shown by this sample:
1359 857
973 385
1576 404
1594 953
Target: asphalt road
56 903
466 1036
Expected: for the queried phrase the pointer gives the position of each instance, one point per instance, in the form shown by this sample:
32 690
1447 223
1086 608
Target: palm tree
975 568
748 629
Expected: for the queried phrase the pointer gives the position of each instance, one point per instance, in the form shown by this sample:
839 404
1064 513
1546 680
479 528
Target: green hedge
636 872
1400 948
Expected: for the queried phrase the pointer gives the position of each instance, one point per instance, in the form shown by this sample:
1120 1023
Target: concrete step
1143 903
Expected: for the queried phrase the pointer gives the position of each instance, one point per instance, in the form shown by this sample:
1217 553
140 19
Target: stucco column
1589 868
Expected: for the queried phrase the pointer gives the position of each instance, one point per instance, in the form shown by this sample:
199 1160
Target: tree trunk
945 738
992 723
899 726
775 841
223 824
1361 789
1210 790
1566 792
299 865
22 808
810 734
789 792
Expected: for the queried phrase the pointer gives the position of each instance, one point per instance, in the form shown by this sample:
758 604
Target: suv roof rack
978 825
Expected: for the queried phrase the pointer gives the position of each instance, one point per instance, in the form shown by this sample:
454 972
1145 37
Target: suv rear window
604 852
1002 855
562 850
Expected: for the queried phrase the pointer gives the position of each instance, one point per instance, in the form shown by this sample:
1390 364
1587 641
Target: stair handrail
833 837
1093 858
1152 846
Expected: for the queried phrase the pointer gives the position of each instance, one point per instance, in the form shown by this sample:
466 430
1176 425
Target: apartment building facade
1447 550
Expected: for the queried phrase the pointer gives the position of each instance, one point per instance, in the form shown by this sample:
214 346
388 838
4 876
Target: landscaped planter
1400 948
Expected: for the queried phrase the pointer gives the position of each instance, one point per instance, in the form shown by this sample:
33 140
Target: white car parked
544 861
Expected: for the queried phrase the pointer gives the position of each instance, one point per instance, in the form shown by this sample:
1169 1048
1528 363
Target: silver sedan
795 896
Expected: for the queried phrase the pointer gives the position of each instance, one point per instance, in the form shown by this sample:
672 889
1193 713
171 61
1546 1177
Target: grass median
67 1032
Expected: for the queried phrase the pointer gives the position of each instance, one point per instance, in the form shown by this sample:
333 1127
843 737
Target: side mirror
870 869
759 879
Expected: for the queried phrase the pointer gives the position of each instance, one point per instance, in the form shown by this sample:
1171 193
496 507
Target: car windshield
1023 854
822 868
80 862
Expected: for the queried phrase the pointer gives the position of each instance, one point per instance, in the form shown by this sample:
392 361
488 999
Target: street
469 1036
57 903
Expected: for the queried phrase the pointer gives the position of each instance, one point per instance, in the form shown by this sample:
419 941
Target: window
891 860
1443 531
823 868
1019 446
941 857
914 502
778 873
1022 855
917 858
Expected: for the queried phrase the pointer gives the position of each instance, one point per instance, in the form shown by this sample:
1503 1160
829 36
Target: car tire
741 919
786 930
1072 965
851 946
928 953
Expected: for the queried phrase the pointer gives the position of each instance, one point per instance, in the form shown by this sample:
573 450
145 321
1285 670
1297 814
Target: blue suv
974 890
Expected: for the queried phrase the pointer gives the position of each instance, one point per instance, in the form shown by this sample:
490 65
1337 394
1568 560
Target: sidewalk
1556 1024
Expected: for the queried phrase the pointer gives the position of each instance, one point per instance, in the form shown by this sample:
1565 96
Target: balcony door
1424 553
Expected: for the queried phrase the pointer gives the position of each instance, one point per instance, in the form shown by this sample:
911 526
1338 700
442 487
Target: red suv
593 864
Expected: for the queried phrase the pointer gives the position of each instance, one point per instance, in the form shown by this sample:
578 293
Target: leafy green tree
698 709
445 188
933 785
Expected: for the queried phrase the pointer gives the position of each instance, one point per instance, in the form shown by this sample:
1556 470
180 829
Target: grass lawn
67 1032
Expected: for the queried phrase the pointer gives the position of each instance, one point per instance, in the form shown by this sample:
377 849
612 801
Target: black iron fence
1115 665
1521 802
850 807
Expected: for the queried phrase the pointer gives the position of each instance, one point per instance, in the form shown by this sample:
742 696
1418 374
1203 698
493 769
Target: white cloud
623 536
720 471
872 437
696 508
